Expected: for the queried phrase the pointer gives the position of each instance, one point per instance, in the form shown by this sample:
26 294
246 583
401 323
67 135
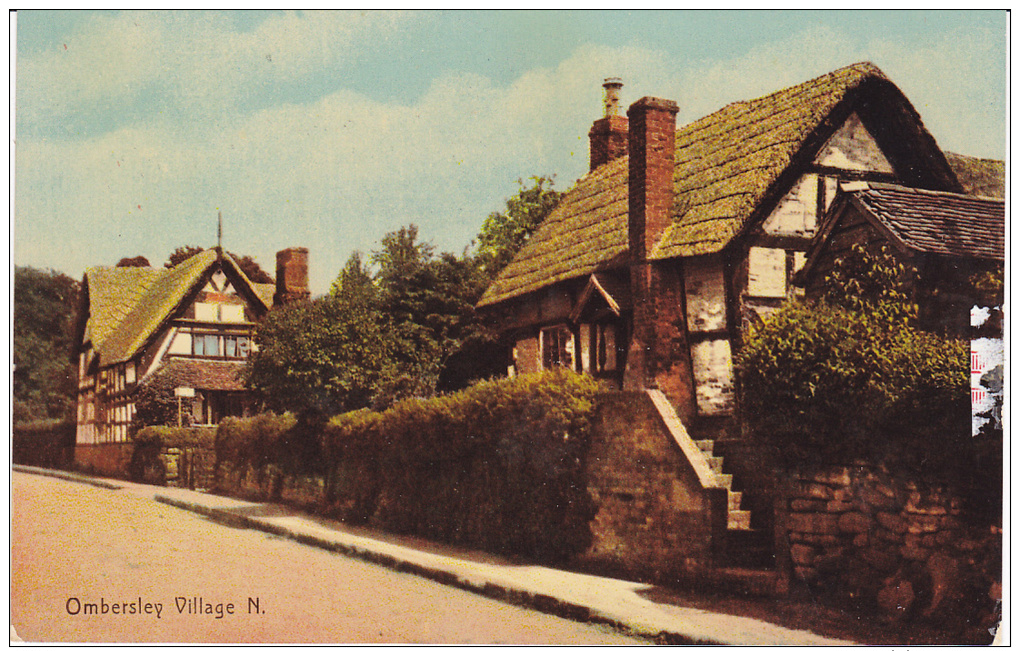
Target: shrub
499 465
251 444
47 443
850 378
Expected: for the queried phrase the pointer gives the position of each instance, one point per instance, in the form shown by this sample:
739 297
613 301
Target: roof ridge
963 196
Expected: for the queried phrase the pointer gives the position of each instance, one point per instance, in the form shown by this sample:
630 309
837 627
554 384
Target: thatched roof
727 166
980 176
128 304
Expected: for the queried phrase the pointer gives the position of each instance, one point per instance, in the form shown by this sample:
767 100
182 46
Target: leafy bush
850 378
252 444
499 465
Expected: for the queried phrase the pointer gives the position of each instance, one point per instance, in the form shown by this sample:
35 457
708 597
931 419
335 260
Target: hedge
500 465
47 443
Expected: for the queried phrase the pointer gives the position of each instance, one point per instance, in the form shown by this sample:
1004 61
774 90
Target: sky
327 130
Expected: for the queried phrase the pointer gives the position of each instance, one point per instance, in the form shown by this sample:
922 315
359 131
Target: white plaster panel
766 274
853 148
231 313
206 312
705 290
713 375
181 343
795 214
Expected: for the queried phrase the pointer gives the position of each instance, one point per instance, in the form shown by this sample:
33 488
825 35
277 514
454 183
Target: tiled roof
207 374
128 304
980 176
943 223
725 165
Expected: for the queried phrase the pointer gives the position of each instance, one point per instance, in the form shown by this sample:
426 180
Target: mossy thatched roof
979 176
727 163
128 304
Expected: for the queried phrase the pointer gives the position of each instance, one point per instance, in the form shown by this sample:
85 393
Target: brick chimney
651 145
291 276
608 135
656 356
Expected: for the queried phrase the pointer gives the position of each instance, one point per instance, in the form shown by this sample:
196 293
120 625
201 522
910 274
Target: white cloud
337 173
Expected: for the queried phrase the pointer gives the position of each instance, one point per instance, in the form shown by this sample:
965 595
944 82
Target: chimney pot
612 96
608 135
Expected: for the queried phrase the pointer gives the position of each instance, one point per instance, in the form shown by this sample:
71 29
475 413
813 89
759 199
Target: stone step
715 463
738 520
725 480
734 500
706 445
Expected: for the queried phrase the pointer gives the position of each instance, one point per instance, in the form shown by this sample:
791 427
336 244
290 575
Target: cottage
655 262
192 322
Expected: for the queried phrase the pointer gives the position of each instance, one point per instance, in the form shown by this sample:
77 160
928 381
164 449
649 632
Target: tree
45 376
318 358
137 261
504 233
246 263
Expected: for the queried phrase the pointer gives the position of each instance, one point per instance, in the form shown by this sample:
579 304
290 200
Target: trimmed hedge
500 465
47 443
251 445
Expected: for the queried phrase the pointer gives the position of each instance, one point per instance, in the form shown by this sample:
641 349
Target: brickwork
651 146
653 516
291 275
607 140
890 543
106 459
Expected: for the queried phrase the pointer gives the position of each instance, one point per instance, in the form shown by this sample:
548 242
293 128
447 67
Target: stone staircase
736 519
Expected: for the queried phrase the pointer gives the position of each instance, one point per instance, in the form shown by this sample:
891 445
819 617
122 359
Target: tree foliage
850 377
44 369
504 233
137 261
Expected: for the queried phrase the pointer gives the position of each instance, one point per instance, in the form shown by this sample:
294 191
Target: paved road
165 575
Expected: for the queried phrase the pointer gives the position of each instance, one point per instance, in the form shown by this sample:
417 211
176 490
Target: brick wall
106 459
653 518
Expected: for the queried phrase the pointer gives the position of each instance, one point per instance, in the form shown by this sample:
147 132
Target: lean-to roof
943 223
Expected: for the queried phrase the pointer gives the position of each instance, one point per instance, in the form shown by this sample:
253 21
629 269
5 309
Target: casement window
557 347
214 345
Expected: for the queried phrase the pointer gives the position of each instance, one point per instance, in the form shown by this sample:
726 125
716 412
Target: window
557 347
211 345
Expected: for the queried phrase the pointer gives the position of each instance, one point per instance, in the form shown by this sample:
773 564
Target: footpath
581 597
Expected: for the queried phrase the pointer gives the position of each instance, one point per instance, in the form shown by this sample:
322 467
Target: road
90 564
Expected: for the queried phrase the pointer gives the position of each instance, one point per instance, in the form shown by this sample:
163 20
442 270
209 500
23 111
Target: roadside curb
69 476
536 601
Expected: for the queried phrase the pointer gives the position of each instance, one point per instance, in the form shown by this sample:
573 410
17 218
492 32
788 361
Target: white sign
184 392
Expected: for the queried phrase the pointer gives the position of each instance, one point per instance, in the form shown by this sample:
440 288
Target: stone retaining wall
891 543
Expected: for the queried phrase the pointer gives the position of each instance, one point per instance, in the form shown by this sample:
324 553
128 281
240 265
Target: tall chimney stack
291 276
652 142
608 135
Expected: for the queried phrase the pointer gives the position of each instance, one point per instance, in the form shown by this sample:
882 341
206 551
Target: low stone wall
892 543
653 517
189 467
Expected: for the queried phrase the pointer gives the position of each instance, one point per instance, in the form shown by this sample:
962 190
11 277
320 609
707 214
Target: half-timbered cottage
192 323
677 239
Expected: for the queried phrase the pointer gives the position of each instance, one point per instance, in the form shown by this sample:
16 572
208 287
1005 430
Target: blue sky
328 130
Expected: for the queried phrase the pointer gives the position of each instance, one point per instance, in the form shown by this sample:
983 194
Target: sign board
184 392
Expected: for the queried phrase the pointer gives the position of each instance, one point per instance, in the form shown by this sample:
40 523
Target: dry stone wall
891 543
